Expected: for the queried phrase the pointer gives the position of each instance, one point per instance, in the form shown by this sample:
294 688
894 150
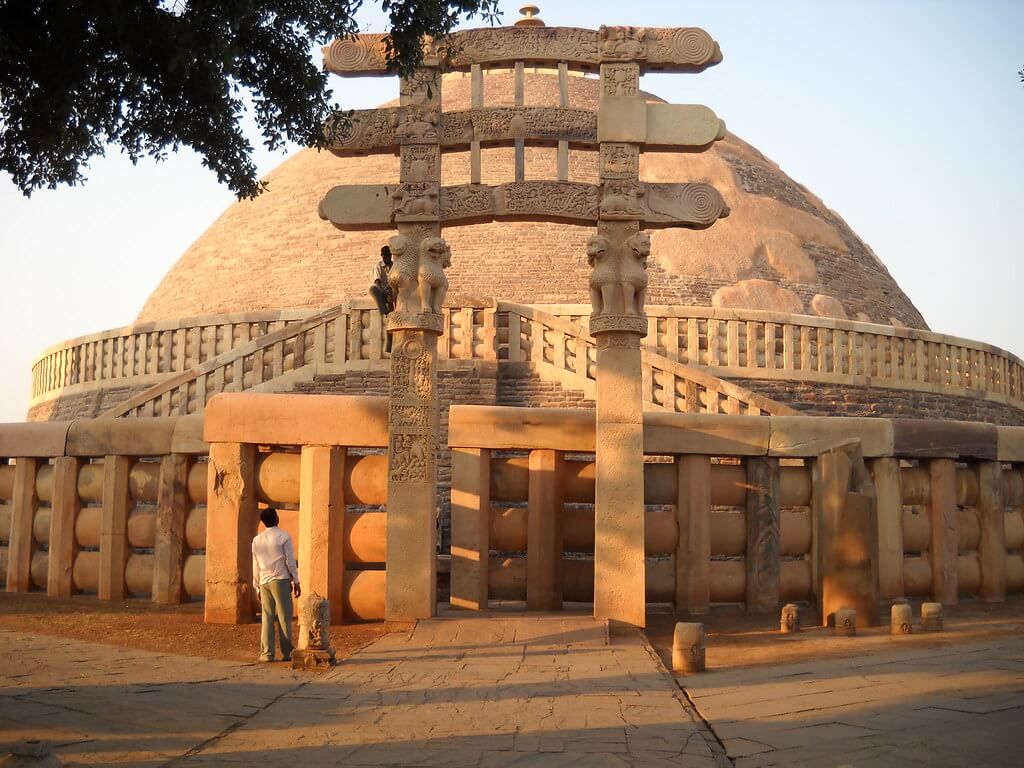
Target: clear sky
902 115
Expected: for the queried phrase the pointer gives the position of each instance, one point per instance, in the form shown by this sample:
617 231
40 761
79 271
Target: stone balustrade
751 344
950 507
118 508
695 362
111 508
144 354
320 463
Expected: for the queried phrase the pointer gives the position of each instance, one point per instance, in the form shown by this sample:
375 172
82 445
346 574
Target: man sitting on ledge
276 576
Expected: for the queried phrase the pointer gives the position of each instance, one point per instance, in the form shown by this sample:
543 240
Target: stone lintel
940 438
667 49
670 127
286 419
373 206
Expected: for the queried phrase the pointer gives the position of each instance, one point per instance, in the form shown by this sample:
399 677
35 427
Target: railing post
64 514
886 474
231 524
992 550
114 527
22 543
172 506
544 531
945 534
762 560
471 527
321 546
693 548
846 535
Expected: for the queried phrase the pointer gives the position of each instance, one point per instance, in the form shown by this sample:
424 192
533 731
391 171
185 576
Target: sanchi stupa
782 271
630 363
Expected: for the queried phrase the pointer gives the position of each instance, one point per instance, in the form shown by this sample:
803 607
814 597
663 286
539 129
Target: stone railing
273 359
118 508
739 510
695 359
148 352
112 508
563 345
319 463
749 344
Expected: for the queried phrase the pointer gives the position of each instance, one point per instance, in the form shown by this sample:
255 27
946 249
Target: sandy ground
734 639
143 625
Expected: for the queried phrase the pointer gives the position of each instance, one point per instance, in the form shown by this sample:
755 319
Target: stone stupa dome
781 249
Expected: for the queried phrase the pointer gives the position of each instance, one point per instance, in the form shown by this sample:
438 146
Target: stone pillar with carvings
618 283
420 257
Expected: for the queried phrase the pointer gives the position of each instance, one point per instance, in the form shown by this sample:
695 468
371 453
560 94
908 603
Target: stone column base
312 659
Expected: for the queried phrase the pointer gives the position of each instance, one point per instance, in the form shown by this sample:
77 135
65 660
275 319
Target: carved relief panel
619 160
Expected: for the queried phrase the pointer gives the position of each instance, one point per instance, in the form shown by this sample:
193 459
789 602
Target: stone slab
799 436
279 419
716 435
123 437
356 206
34 439
1010 443
507 428
188 435
622 119
938 438
682 125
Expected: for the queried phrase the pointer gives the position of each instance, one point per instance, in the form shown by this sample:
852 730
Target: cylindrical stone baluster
901 619
931 617
845 622
790 620
688 647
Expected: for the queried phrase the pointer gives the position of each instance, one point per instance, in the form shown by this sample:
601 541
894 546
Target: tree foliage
154 75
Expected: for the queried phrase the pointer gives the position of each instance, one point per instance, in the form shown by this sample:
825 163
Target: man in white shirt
276 577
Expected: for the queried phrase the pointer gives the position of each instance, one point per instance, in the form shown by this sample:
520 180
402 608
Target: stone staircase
348 338
565 352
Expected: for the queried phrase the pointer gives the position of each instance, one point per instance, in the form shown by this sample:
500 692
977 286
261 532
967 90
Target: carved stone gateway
620 205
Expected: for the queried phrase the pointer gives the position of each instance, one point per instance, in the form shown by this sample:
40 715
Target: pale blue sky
904 116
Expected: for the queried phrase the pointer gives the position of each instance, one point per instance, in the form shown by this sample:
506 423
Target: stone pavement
946 706
512 690
501 691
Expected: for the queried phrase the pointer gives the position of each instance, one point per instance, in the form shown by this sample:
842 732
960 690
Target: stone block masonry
818 399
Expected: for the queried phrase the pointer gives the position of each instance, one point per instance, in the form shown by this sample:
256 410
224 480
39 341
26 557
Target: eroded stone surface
827 306
757 294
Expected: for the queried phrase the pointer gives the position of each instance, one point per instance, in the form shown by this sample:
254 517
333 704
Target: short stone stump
931 617
844 622
901 622
312 659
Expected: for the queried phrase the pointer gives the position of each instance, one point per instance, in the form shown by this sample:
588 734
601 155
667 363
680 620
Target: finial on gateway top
530 18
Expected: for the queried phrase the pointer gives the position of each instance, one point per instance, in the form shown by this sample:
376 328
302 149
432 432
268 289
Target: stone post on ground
618 255
232 520
419 258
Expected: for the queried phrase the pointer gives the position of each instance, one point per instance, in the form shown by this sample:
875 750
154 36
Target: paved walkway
470 692
520 691
947 706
